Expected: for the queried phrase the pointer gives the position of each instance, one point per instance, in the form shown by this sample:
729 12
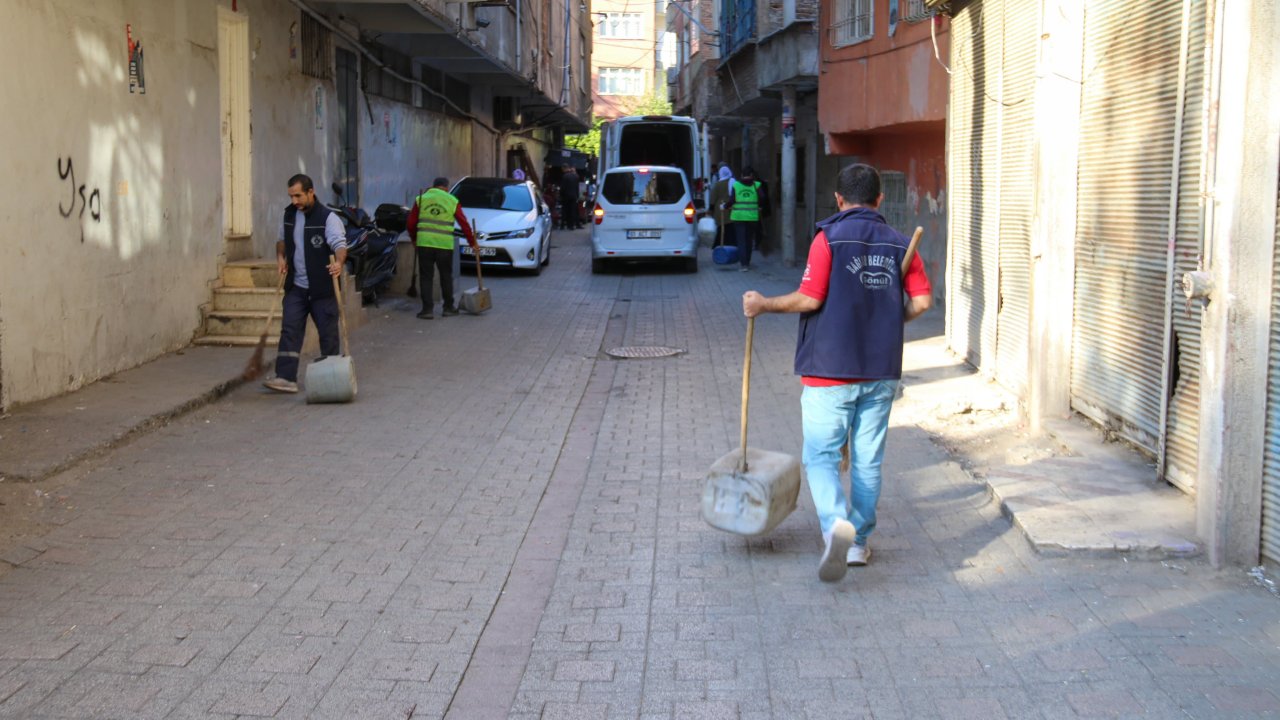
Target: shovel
749 491
333 379
476 300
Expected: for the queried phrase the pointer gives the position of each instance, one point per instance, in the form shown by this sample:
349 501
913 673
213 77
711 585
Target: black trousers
744 234
298 304
429 260
570 217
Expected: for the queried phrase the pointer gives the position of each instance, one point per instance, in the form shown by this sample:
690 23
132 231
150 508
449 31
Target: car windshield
643 187
493 195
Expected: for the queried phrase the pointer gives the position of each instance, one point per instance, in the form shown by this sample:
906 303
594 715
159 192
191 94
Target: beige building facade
155 139
624 64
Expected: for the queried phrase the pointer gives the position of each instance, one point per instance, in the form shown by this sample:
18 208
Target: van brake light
689 213
597 214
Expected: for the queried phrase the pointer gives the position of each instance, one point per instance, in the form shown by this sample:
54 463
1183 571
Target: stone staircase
242 298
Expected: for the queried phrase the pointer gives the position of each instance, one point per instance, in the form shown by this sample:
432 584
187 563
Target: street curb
140 428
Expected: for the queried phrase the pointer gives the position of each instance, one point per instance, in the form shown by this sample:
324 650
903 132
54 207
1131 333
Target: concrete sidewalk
47 437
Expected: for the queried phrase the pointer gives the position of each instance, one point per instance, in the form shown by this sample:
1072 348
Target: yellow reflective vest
436 208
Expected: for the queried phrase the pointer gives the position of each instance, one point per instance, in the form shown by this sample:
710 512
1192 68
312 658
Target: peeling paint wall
116 209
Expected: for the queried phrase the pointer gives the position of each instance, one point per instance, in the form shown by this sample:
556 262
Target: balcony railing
737 25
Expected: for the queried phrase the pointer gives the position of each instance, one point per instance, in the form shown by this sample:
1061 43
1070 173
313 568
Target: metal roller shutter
973 156
1017 178
1128 121
1271 455
1182 433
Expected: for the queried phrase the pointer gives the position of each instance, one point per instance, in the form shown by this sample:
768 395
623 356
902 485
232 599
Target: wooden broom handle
342 311
746 391
911 250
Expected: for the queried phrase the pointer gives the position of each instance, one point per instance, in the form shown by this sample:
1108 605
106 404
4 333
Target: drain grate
643 351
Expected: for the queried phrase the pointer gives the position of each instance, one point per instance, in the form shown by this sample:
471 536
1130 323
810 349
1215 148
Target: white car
511 222
644 212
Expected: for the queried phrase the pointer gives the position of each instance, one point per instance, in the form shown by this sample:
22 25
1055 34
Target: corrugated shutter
1182 444
1128 118
973 150
1017 170
1271 456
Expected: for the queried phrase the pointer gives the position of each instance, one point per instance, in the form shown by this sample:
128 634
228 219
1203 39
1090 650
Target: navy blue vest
857 333
315 252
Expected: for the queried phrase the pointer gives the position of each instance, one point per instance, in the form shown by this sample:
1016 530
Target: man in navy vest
309 235
849 357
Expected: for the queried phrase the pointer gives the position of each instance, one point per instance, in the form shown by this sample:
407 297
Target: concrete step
239 322
239 298
273 341
257 273
239 247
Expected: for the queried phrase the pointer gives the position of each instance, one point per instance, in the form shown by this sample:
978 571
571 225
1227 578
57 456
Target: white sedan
511 222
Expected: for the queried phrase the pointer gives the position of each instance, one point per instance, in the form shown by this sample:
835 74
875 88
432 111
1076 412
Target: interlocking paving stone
264 557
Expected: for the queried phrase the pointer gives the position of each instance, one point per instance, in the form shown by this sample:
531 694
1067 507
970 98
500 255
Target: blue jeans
830 415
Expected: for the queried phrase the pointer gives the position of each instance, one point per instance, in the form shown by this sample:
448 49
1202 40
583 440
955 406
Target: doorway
348 172
237 151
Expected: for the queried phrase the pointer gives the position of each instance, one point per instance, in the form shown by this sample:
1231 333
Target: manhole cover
643 351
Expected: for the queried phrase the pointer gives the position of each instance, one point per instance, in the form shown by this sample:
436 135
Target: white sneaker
858 554
838 541
281 385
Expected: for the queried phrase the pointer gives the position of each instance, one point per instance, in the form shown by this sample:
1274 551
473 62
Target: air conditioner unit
506 111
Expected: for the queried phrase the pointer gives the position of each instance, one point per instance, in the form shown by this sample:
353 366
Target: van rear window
643 188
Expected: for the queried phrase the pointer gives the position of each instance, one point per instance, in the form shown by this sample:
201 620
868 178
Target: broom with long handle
254 369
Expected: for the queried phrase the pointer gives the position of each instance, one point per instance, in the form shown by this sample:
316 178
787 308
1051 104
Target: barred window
916 11
317 49
851 22
894 207
621 81
377 82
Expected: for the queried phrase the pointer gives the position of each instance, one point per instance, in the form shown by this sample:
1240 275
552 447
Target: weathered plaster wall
107 266
100 280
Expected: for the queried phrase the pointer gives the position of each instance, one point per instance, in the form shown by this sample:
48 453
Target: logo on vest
875 272
435 210
317 241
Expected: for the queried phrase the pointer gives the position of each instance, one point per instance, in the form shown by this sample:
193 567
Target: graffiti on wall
82 195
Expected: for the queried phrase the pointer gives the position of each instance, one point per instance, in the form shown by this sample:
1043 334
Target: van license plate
484 251
644 234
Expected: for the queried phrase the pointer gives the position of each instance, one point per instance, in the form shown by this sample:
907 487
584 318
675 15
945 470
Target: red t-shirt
817 280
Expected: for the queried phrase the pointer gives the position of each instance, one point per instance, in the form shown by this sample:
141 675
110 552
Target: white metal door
1129 111
973 152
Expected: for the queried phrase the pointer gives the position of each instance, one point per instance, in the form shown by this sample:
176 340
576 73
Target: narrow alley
505 524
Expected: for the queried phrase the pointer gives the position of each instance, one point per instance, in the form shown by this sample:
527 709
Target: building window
624 26
621 81
916 11
317 47
894 207
377 81
850 22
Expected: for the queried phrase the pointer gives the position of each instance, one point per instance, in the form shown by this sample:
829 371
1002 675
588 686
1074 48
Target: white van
670 140
644 212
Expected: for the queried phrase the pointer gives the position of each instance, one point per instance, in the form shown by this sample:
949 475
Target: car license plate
484 251
644 234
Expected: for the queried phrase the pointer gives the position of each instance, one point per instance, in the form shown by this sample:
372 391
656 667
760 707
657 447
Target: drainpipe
788 12
519 37
788 220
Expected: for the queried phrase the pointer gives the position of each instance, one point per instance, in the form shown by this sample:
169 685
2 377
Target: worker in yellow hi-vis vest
431 227
745 200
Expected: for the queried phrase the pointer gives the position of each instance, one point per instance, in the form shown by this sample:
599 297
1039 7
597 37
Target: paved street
505 524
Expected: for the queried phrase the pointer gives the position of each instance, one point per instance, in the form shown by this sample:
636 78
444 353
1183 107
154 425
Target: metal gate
1017 178
974 160
1271 454
1130 110
1182 425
